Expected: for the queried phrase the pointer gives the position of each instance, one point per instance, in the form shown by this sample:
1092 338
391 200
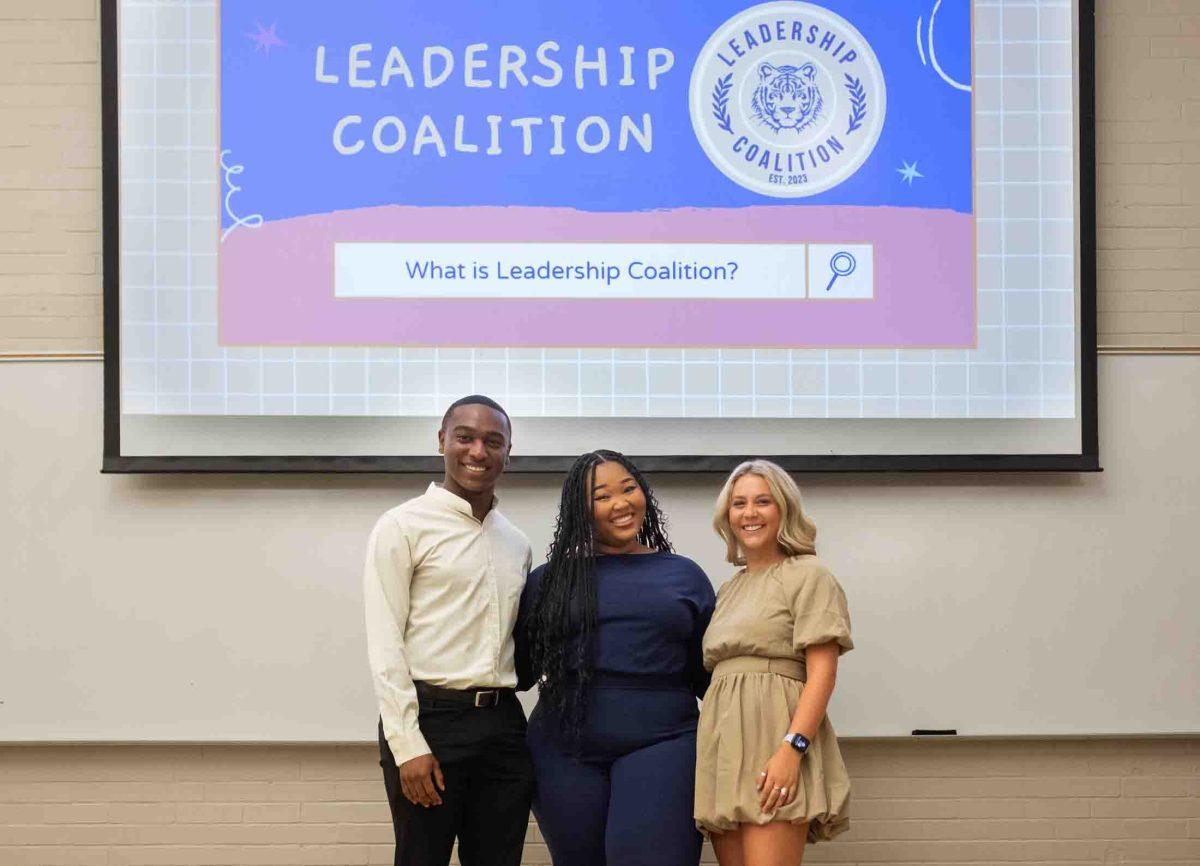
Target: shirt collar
455 502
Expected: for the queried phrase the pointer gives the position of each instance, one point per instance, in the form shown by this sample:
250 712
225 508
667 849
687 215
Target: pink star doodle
265 39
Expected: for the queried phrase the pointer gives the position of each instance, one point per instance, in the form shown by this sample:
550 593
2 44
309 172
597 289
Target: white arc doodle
937 67
251 222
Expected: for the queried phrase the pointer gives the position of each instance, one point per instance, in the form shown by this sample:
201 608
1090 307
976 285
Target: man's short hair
480 400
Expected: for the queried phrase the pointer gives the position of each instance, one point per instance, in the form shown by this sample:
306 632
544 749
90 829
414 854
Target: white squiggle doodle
251 222
958 85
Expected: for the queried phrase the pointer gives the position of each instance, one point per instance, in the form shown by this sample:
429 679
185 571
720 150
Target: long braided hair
563 621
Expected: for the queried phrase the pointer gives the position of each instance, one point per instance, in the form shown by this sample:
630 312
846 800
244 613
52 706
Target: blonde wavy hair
797 534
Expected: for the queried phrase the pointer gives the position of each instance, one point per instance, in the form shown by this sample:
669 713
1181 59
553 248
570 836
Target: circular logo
787 99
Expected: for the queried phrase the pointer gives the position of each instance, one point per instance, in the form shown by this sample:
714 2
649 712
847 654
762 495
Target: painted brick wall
49 175
1149 178
1148 143
1047 803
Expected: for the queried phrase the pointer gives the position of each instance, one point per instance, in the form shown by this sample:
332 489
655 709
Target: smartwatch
799 742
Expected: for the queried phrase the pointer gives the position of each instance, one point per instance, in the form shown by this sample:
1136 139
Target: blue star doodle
909 172
265 38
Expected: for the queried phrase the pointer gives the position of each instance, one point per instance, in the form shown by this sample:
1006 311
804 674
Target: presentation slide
536 178
834 227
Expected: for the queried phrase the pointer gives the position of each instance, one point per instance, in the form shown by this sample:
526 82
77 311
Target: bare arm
780 777
814 700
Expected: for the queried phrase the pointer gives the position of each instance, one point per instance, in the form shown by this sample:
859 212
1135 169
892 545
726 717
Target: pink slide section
277 281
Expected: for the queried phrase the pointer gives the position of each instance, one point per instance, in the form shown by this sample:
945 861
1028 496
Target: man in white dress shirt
442 584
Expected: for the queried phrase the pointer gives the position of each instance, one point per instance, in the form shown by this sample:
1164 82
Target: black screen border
1087 460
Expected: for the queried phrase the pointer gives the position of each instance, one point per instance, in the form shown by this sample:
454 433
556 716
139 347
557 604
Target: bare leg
779 843
728 846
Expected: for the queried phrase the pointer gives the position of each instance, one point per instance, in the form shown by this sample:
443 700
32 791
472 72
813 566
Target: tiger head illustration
787 97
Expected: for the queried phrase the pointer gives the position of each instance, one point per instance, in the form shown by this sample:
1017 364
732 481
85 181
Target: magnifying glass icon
842 264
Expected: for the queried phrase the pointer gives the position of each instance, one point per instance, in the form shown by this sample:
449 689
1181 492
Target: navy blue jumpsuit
624 796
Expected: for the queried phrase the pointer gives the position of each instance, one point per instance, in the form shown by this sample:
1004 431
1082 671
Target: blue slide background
278 121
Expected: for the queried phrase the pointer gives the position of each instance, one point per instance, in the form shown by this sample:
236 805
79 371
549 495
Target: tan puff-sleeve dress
772 614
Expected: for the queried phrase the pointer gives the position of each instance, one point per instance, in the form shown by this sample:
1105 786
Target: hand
417 780
777 782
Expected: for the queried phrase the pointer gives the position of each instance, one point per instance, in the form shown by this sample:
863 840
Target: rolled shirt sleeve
387 578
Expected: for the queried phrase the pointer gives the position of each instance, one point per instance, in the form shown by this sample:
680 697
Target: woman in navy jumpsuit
611 629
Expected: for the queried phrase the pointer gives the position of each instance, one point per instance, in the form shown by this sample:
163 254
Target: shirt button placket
491 571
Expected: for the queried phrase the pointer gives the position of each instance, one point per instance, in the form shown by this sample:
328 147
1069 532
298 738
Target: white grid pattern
1024 365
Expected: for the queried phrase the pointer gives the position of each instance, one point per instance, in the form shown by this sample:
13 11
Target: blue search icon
842 264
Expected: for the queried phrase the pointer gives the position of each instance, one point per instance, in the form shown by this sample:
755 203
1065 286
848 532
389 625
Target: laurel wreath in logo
858 102
720 103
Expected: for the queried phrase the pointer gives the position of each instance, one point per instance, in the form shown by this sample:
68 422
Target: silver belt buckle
486 698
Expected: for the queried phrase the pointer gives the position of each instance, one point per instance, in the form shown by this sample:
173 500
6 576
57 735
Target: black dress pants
489 785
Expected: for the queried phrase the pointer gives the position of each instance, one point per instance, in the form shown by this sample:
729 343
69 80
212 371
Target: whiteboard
227 608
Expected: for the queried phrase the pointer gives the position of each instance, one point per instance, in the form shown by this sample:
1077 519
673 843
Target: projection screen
845 235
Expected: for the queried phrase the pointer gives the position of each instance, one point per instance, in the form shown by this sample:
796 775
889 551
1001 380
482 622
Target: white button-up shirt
442 591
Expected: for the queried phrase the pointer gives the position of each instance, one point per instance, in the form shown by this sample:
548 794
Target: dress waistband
790 668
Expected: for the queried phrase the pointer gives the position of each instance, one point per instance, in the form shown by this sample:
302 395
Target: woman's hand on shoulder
778 780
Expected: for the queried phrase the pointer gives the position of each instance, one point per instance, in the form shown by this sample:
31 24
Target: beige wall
1067 802
1149 179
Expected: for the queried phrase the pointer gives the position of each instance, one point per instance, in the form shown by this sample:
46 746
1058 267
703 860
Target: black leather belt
478 698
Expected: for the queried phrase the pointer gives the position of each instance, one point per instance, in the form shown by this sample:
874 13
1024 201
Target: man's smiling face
474 441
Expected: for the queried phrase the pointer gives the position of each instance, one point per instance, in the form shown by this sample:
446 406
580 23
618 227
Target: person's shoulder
409 509
804 563
688 570
808 575
683 563
795 571
413 514
395 524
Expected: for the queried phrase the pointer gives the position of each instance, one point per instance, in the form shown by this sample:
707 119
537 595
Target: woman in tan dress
769 774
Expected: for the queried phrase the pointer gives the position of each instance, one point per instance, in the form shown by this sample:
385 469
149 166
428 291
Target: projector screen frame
1087 460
